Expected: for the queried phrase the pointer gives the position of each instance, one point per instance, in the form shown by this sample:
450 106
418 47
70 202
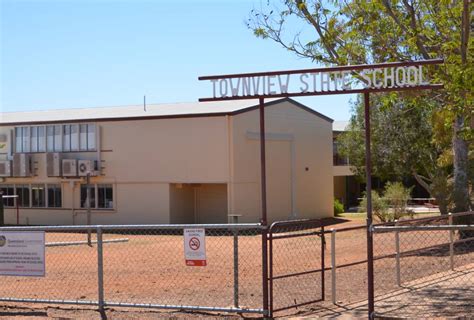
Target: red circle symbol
194 243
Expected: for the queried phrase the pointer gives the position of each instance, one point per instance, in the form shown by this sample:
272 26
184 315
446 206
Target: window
83 137
41 141
41 195
38 196
26 139
34 139
23 192
105 196
67 137
103 192
56 138
18 139
8 190
54 196
74 137
50 138
91 134
84 196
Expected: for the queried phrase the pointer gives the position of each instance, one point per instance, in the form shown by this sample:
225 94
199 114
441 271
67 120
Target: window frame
57 138
95 196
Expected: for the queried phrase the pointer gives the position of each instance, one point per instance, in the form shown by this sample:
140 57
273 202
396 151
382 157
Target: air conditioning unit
22 165
87 166
53 164
5 168
69 167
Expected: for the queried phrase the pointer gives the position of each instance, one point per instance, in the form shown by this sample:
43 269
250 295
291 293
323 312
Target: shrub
396 196
379 207
392 205
338 207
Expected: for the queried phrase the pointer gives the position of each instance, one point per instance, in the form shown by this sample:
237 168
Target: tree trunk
461 184
436 192
460 151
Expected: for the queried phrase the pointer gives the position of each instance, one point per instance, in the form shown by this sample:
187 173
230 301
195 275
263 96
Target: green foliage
396 196
338 207
379 207
390 206
421 127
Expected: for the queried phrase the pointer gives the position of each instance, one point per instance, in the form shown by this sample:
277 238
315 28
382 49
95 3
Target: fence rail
143 266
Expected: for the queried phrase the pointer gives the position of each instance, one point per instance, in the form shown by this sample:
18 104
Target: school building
166 163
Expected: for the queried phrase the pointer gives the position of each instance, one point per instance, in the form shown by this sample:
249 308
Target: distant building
170 163
346 187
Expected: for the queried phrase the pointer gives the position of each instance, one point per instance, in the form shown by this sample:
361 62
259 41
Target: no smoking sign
195 247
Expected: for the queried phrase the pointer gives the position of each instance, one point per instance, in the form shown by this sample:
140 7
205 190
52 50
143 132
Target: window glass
91 132
34 139
50 138
105 195
41 142
38 195
84 196
23 192
67 137
74 137
8 190
57 138
83 137
18 139
26 139
54 196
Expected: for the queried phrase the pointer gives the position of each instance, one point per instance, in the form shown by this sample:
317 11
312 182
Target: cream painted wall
142 158
312 143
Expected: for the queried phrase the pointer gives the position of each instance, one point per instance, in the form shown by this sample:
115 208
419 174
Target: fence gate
296 264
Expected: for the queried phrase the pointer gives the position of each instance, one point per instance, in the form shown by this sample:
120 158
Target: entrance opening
198 203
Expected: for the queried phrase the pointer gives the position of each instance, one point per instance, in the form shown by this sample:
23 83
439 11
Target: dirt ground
150 268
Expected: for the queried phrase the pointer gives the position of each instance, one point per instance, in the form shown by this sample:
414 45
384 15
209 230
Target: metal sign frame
366 92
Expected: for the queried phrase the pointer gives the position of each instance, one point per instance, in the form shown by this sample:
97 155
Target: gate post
100 270
333 265
323 248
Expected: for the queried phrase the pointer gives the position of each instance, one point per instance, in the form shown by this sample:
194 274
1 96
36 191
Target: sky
93 53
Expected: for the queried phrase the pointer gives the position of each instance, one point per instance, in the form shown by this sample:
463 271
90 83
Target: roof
137 112
340 126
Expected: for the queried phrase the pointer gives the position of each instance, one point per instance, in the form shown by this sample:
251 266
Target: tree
360 32
402 145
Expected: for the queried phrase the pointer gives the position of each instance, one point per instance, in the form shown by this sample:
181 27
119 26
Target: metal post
333 265
397 255
323 249
264 205
17 211
236 268
100 270
368 169
451 242
88 203
2 212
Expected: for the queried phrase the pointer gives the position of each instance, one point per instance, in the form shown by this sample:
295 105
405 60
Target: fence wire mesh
144 266
150 269
429 273
296 264
71 272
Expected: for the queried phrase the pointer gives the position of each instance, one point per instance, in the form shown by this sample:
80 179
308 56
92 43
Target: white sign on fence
195 247
22 253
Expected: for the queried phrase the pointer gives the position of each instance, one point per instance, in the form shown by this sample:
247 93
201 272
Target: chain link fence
430 270
296 264
144 266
